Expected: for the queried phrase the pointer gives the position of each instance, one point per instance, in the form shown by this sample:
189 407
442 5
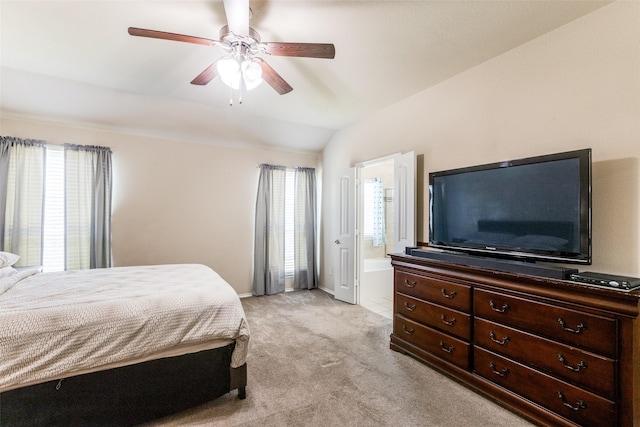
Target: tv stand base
508 266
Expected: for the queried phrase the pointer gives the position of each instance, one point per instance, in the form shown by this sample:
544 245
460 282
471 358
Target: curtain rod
57 144
43 142
286 167
80 145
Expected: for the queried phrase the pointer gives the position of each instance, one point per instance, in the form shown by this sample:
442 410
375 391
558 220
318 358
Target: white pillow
7 259
7 283
7 271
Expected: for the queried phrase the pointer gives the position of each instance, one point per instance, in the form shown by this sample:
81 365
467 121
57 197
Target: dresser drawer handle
446 349
449 295
409 284
579 328
501 373
504 340
409 307
502 309
581 364
408 331
580 404
447 322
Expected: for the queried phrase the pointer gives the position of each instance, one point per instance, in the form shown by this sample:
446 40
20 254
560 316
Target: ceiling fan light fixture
251 73
241 70
233 69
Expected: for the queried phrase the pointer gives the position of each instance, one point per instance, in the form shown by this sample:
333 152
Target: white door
345 276
404 202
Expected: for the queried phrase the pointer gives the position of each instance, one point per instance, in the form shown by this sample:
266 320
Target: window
57 209
368 208
285 231
373 212
53 223
289 226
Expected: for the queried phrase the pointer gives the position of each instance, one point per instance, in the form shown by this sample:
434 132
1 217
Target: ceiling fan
241 69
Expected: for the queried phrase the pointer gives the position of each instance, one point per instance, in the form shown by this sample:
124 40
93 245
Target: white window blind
367 210
289 223
53 232
373 212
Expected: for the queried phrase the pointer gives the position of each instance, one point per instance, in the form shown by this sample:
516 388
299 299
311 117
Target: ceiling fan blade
237 12
307 50
274 79
141 32
206 76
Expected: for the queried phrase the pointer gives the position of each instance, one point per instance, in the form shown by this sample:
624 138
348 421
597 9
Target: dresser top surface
626 303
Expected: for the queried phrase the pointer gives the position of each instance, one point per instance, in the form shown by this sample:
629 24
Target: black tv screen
538 208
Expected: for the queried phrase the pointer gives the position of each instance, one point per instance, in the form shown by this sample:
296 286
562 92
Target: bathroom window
373 211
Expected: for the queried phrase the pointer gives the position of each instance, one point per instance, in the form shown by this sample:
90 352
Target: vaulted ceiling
74 62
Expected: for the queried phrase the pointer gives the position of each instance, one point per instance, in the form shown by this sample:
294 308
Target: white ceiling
73 61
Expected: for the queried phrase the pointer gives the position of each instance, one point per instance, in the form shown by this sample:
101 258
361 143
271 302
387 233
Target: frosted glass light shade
252 74
231 71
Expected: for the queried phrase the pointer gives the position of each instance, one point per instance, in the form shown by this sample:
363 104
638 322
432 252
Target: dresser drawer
573 403
438 317
442 292
587 331
437 343
579 367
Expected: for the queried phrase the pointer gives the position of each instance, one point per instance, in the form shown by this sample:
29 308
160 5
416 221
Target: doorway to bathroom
381 222
376 236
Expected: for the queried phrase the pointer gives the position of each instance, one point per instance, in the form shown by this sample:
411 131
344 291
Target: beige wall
177 202
576 87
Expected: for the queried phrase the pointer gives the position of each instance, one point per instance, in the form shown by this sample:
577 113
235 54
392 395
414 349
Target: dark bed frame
128 395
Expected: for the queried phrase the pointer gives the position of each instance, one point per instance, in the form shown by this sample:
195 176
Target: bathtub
377 279
375 264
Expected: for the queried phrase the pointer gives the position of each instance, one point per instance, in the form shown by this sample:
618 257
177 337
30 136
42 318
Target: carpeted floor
315 361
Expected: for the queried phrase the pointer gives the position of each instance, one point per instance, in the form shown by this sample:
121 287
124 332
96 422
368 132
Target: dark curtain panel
88 184
305 275
269 270
22 168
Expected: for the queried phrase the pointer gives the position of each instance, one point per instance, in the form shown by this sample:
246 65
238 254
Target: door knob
337 242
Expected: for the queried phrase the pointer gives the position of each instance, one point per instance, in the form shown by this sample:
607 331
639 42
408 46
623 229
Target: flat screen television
532 209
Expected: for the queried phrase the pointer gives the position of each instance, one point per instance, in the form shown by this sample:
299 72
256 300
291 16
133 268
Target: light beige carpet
315 361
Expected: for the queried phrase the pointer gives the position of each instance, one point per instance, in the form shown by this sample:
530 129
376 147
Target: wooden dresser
555 351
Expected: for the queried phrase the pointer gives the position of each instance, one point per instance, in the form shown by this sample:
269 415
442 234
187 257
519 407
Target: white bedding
55 325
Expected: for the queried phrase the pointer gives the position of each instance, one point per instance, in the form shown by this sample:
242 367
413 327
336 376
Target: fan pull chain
241 89
239 95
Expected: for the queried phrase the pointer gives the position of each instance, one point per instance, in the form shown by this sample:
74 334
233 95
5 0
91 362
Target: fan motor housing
252 40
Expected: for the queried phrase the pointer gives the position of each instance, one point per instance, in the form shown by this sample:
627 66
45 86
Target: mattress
56 325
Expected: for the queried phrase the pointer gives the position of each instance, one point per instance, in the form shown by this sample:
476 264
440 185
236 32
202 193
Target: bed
117 346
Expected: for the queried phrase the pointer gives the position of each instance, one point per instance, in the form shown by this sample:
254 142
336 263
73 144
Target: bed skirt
127 395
